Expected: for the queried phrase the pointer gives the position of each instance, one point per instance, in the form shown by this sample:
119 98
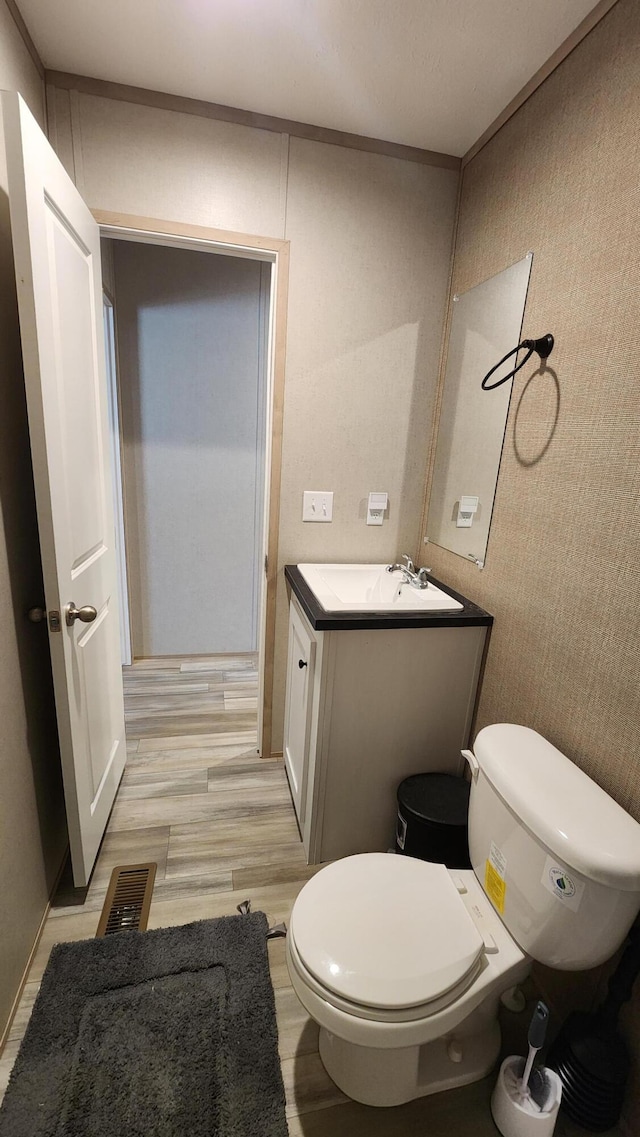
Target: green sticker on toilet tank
562 884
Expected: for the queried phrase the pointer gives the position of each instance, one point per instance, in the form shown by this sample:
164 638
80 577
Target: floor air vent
128 899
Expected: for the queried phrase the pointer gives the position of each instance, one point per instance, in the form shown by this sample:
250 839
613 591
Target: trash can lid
442 799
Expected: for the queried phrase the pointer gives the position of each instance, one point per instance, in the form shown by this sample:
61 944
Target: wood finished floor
219 822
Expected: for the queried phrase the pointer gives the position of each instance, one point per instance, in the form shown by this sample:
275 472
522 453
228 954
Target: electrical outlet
317 505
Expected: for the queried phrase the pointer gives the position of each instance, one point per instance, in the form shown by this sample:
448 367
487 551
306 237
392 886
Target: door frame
108 310
151 230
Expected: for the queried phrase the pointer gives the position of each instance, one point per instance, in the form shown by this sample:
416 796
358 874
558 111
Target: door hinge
266 566
54 620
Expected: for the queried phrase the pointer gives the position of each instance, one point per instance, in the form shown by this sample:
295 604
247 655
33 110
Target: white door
57 258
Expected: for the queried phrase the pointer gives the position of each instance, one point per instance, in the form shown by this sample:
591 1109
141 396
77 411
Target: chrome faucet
407 569
417 579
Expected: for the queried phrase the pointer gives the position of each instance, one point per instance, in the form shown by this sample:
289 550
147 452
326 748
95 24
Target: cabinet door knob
302 663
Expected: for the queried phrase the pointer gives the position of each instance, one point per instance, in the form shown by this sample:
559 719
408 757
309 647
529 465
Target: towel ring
543 346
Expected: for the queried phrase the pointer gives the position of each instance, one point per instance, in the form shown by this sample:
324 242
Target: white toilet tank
558 858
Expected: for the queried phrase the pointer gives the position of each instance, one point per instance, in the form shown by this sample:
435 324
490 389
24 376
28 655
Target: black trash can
432 822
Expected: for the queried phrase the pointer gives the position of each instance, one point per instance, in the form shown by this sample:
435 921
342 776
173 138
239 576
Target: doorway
197 418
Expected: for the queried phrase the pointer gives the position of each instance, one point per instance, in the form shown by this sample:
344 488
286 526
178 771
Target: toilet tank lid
560 805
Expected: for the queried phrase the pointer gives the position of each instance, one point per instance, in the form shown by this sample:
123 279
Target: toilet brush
526 1098
533 1084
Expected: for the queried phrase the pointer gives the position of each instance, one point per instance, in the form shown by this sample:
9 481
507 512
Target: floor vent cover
128 899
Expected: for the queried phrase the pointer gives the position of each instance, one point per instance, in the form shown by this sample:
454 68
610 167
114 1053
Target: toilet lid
385 930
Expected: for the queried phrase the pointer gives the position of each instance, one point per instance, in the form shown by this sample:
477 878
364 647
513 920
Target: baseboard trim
36 944
16 1002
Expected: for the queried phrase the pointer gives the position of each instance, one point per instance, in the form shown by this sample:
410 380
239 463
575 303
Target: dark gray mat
166 1033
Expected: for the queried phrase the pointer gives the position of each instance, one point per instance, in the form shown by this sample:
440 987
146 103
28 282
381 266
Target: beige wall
370 252
32 835
562 576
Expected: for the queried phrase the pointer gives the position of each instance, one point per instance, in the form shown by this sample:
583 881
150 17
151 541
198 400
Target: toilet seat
379 1014
385 937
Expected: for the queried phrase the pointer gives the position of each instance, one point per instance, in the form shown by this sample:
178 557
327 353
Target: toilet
402 962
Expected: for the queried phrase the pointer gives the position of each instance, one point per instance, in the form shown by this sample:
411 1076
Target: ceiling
428 73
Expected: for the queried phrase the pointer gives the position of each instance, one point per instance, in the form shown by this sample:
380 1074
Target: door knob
86 614
302 663
37 615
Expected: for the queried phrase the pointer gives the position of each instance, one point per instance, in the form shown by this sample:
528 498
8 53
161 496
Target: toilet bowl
402 962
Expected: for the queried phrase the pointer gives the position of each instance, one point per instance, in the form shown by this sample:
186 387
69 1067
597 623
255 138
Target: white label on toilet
498 860
560 882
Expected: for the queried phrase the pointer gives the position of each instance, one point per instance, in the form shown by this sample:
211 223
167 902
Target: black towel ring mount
543 346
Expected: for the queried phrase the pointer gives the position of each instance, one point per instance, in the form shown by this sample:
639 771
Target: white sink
370 588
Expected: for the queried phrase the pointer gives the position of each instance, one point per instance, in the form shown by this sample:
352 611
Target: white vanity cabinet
365 708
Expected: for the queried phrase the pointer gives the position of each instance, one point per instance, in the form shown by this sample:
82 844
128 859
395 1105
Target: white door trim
276 253
116 476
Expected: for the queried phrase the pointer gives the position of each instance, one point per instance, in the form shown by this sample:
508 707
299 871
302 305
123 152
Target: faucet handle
422 575
407 558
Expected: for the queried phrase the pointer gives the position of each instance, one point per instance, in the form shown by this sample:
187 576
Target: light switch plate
317 505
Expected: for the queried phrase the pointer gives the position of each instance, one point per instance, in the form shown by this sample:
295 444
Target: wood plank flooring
219 822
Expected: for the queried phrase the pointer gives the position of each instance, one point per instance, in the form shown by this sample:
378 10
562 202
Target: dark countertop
470 615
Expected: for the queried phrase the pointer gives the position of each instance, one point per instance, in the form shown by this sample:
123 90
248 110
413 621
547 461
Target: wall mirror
486 323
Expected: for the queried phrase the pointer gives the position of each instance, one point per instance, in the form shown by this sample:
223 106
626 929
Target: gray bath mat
169 1033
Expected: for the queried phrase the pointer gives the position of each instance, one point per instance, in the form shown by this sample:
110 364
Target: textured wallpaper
562 575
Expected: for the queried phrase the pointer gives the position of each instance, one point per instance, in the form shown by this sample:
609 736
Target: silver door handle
86 614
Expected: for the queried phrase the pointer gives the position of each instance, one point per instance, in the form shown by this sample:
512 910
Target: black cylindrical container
432 823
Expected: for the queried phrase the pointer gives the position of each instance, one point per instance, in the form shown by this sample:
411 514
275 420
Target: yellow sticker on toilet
494 886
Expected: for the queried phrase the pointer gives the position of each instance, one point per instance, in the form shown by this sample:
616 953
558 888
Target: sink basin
370 588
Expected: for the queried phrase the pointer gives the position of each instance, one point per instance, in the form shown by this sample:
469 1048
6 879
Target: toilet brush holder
518 1116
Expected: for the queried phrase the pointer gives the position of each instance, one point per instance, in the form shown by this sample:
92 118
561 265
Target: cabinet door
300 669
